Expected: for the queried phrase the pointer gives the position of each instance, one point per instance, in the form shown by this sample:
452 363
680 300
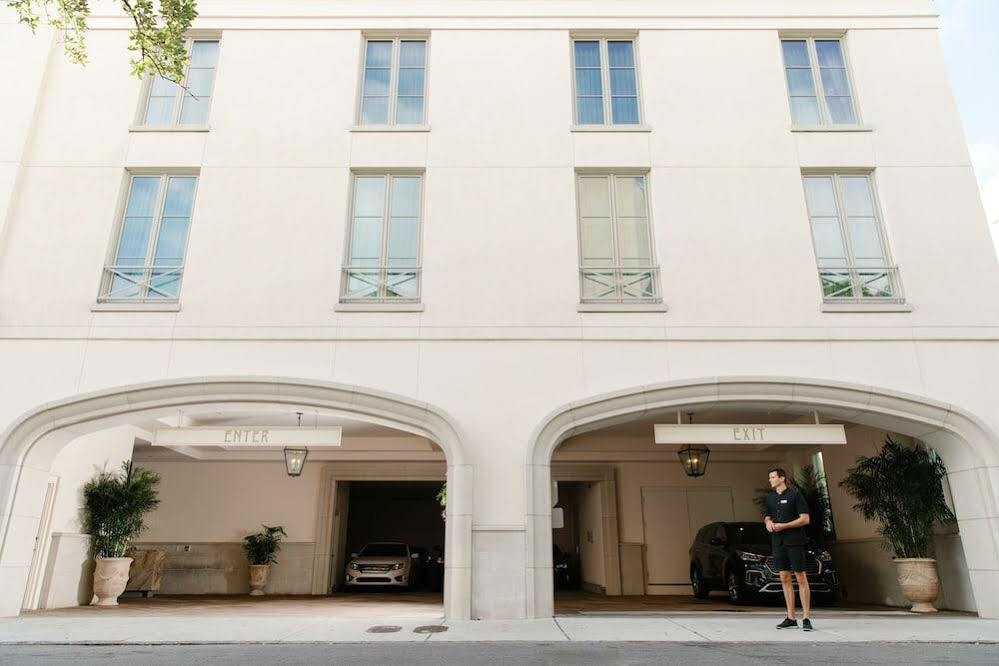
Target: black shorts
789 558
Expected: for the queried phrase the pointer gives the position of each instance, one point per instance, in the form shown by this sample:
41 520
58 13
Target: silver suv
381 563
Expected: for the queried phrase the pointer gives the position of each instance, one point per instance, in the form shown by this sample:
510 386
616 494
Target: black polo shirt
783 508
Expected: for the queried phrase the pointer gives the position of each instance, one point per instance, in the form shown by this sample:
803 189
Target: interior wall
221 502
591 538
206 508
744 478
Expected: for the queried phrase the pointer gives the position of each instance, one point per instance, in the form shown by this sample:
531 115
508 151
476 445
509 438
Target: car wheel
736 592
697 583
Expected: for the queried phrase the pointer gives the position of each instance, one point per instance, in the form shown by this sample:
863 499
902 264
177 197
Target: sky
970 36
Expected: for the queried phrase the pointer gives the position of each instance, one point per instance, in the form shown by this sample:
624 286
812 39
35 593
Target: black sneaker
806 624
788 622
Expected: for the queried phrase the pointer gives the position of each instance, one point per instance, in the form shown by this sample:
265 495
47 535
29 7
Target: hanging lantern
294 458
694 459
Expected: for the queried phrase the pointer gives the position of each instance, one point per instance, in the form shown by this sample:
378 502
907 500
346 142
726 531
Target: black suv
736 557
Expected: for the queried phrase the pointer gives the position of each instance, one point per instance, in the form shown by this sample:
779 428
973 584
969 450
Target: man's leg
804 591
788 587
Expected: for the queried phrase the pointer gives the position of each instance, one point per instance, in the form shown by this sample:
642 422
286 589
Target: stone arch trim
29 443
975 443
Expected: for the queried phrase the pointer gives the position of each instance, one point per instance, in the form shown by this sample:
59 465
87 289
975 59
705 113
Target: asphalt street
507 653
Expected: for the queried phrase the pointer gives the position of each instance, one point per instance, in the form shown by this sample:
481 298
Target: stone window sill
135 307
866 307
169 128
390 128
832 128
378 307
610 128
622 307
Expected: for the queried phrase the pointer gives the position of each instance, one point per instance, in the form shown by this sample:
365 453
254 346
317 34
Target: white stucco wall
500 343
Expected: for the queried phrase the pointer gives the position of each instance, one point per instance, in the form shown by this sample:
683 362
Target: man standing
787 515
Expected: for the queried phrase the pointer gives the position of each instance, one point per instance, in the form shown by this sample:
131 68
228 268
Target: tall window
850 246
383 261
818 82
168 104
394 77
606 83
615 240
148 259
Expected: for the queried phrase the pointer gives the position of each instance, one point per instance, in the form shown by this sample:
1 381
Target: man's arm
767 520
802 520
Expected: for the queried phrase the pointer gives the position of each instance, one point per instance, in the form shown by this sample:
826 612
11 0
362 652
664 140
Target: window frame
602 38
103 296
813 61
395 38
382 301
653 267
890 267
178 106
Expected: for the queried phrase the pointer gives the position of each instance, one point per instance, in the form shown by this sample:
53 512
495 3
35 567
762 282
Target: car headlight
746 556
353 566
397 566
823 556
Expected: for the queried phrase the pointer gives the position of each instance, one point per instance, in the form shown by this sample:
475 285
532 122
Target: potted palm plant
114 504
261 551
900 489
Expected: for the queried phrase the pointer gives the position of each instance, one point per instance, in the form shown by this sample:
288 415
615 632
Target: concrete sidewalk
700 627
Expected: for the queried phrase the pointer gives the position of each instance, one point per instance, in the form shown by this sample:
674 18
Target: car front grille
376 568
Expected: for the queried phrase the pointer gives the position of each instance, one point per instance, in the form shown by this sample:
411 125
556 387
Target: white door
672 517
667 535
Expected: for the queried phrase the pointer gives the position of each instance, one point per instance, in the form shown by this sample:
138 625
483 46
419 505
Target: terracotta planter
919 581
259 573
110 579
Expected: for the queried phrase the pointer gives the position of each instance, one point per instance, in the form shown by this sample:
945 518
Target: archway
968 447
29 445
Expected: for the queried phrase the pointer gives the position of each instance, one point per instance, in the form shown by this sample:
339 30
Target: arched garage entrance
30 444
969 449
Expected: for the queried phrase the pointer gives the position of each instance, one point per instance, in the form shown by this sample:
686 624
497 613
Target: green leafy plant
114 505
262 547
158 36
900 489
812 485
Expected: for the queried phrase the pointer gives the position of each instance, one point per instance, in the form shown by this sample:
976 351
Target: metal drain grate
430 629
384 629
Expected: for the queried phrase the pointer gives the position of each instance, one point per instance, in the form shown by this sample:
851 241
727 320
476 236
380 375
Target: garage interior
625 515
211 497
395 511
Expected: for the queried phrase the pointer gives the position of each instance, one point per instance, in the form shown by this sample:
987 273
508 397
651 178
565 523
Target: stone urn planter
110 579
259 573
917 576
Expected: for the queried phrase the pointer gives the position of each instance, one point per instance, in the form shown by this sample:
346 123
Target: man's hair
780 472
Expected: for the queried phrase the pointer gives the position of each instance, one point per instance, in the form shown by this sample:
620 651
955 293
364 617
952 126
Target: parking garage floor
352 605
587 603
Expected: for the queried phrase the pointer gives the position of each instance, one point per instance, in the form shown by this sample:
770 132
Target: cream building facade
495 242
